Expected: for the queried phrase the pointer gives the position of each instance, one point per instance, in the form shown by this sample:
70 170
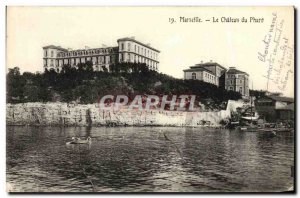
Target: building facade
133 51
238 81
208 72
128 50
273 108
211 72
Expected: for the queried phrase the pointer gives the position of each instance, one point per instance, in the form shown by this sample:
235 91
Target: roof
54 47
91 49
208 64
198 69
236 71
132 39
287 107
280 98
264 100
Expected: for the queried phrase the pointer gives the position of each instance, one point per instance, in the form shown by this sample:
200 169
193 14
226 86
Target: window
241 89
51 53
122 46
194 76
128 58
231 88
241 81
46 53
51 63
134 48
94 60
231 82
128 46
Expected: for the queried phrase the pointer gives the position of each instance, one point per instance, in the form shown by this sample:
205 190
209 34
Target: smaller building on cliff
238 81
209 72
214 73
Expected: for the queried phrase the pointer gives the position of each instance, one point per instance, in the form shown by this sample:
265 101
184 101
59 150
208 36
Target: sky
181 44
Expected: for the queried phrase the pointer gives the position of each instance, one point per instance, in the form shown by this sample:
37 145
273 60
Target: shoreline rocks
65 114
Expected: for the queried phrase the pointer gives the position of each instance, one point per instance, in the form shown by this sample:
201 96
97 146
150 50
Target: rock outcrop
64 114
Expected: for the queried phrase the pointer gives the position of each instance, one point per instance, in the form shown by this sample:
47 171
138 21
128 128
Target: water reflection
142 159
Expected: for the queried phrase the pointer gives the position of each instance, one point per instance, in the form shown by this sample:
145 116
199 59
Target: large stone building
238 81
128 50
210 72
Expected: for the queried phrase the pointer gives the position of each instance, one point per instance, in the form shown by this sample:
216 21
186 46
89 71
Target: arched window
194 76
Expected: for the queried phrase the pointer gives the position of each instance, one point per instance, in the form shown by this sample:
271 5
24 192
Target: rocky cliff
85 115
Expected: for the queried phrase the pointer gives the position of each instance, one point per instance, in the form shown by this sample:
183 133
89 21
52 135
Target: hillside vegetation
84 85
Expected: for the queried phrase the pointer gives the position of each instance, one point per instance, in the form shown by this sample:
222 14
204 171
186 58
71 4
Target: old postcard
150 99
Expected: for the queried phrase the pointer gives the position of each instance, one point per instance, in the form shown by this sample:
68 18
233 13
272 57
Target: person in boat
89 139
75 139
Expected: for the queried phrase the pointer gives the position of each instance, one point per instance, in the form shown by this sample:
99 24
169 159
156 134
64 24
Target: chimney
148 44
211 61
86 47
201 62
231 67
132 37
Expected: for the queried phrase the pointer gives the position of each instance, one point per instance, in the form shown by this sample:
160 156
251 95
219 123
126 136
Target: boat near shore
80 141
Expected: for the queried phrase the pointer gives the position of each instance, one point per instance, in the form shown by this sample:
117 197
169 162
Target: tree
15 85
14 72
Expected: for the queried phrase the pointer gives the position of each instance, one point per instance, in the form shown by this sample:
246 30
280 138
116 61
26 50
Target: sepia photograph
150 99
